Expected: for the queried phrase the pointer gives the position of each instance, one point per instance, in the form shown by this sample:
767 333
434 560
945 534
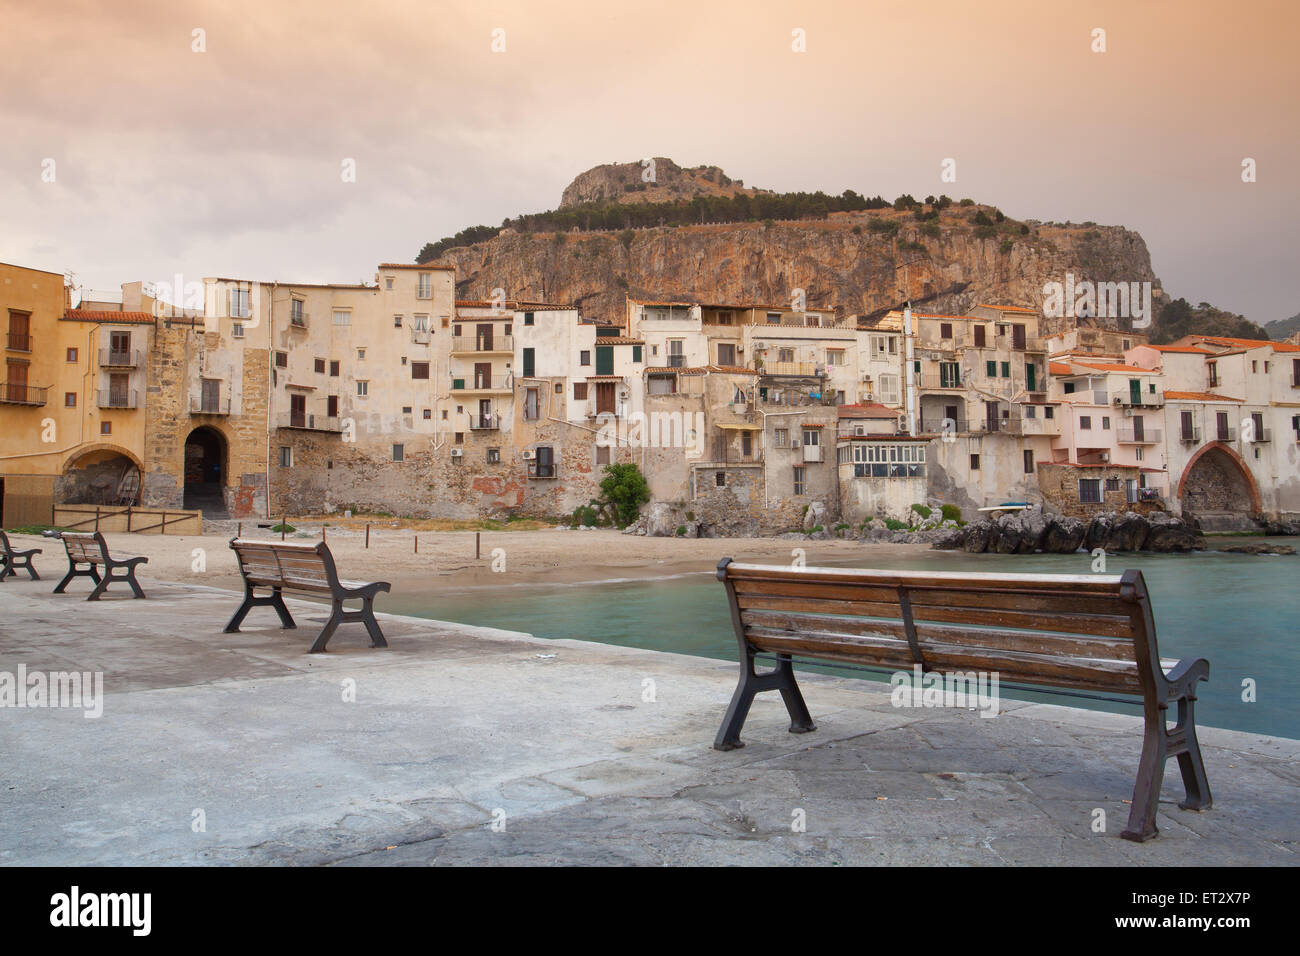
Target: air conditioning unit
458 453
761 346
740 349
794 443
1105 458
1128 412
529 455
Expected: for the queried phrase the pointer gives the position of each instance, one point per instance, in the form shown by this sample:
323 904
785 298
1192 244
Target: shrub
886 227
893 524
626 237
625 488
681 531
931 229
968 202
981 219
815 528
842 525
1006 246
923 510
286 528
584 515
857 230
951 513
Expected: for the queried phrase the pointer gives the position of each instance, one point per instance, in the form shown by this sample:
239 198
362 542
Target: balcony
793 369
19 342
119 358
1263 434
118 398
1147 436
298 320
541 470
479 423
1224 434
210 406
1192 436
938 424
483 383
930 382
467 344
1032 426
306 422
1145 400
20 393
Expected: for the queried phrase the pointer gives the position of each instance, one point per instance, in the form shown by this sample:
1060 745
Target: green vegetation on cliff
1179 318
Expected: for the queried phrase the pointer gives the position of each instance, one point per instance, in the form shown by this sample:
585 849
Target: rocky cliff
651 180
856 262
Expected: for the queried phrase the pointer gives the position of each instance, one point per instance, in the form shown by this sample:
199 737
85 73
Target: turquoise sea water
1238 611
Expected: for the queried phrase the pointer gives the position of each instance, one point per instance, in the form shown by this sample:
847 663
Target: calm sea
1238 611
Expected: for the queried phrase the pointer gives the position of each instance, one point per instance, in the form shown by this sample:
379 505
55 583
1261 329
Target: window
774 318
460 438
106 428
584 358
950 375
281 359
286 456
636 353
991 368
1105 422
1030 411
399 452
420 323
1126 345
237 330
785 355
397 322
579 391
885 460
945 330
979 336
444 414
403 359
388 283
530 362
363 389
676 353
239 304
720 479
559 388
726 354
69 399
1029 461
361 355
334 368
528 318
1085 422
494 456
1006 369
889 389
834 356
531 407
1049 411
1214 373
800 480
72 355
811 436
420 370
1137 453
320 366
974 462
332 406
297 317
782 437
1112 484
406 409
428 414
602 454
1090 491
1069 388
544 466
342 316
424 286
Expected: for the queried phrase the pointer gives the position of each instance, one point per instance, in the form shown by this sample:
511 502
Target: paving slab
460 745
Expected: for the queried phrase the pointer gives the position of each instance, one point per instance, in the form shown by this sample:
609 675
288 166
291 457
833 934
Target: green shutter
1031 372
529 364
1006 369
991 369
636 353
604 360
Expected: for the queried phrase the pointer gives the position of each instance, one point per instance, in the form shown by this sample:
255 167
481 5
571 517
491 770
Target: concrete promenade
453 727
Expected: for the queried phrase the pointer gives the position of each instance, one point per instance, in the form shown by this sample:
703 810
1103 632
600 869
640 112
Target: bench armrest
1182 679
367 590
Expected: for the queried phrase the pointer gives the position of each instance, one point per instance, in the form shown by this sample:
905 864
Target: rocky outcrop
1034 530
841 261
650 180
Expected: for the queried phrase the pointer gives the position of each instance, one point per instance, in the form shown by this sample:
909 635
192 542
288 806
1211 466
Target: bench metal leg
251 600
335 619
1158 745
1190 762
780 678
1146 792
90 572
372 626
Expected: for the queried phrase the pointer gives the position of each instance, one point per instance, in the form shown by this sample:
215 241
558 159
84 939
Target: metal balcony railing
1190 435
801 369
1224 434
117 398
306 421
481 383
483 343
219 406
20 393
1147 436
119 358
484 422
19 342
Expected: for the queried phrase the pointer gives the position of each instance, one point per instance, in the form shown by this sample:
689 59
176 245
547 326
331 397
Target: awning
733 427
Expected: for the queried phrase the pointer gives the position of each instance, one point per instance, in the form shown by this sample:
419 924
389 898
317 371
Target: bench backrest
1087 632
5 546
85 546
303 567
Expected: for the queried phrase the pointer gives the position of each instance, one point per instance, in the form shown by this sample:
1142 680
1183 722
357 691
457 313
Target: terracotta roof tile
97 315
1199 397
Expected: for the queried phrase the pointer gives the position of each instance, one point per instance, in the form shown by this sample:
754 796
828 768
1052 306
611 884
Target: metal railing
1146 398
1224 434
1147 436
16 393
484 422
199 406
119 358
1189 435
298 320
117 398
20 342
481 383
940 381
801 369
483 343
309 422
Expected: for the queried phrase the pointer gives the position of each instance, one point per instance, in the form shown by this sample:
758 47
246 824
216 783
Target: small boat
1007 506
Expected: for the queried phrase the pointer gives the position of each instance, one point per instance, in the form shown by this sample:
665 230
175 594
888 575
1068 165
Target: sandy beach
526 557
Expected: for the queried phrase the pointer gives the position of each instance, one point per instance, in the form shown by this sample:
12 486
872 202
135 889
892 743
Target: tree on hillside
1179 318
625 489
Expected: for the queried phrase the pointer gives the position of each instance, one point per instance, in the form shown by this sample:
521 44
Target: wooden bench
92 551
1089 634
307 568
11 560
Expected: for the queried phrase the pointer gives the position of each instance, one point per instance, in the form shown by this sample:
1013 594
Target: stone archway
100 474
206 461
1217 481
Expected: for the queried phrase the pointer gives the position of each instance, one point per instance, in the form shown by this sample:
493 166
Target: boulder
1167 533
949 539
1033 529
1064 535
1258 547
1009 534
661 520
976 538
1128 533
815 515
1099 530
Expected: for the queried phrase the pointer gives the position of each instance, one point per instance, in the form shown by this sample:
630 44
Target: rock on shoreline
1031 531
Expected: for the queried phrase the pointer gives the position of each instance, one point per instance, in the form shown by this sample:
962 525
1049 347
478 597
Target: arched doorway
1217 483
205 471
100 475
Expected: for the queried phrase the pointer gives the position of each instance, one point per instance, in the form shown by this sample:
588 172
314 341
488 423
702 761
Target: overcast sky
229 161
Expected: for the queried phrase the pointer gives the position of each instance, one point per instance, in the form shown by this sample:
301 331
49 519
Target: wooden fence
137 520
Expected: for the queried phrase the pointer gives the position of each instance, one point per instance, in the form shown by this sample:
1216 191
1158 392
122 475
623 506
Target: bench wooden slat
947 580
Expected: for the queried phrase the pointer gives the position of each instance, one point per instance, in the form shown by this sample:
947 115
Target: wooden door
604 397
